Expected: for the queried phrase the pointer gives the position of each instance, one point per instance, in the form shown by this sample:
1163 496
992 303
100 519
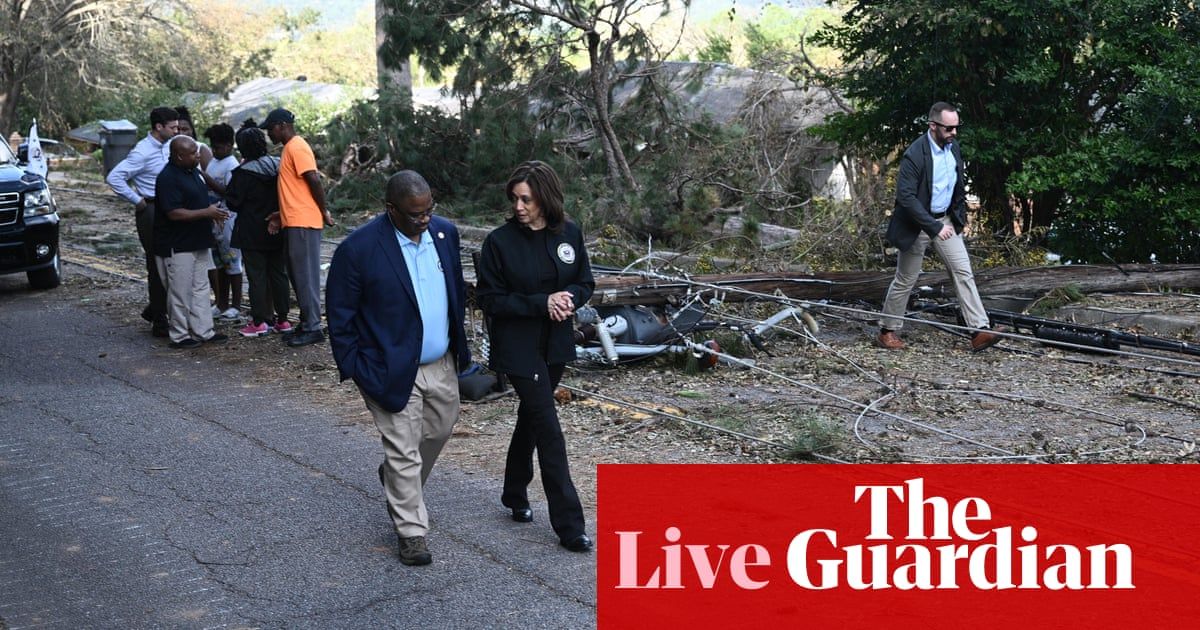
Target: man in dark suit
931 208
395 301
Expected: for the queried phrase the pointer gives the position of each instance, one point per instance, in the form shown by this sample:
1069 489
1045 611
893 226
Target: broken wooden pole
870 286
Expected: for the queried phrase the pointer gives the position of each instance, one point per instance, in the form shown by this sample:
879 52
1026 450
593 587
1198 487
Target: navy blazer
914 194
374 324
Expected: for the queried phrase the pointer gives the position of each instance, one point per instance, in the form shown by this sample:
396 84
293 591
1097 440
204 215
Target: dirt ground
829 397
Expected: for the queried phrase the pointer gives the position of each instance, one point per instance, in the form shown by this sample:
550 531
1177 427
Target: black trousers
267 273
538 428
144 220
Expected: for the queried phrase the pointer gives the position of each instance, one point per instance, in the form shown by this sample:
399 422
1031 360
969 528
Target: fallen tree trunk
869 286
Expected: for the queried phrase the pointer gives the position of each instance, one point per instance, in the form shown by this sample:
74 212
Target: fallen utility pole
870 286
1069 334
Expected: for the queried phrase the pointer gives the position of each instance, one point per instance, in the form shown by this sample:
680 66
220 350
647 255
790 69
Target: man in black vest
931 208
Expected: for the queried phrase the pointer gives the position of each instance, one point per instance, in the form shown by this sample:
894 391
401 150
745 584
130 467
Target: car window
6 154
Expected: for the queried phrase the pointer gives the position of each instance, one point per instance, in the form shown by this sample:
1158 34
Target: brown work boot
413 551
888 339
983 339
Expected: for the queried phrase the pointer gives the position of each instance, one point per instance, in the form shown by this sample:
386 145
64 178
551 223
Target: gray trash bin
117 138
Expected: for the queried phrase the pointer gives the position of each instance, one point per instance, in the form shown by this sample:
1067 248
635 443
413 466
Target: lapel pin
441 235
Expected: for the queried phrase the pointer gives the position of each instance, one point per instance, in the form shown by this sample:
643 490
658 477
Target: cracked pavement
142 487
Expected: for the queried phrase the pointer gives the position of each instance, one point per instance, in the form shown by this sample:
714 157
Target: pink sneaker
283 326
255 330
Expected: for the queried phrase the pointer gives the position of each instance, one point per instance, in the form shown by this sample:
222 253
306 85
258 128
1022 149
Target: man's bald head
184 149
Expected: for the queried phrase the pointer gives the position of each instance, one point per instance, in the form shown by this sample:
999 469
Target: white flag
37 159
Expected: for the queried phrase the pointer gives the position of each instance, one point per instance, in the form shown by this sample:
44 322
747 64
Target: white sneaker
230 315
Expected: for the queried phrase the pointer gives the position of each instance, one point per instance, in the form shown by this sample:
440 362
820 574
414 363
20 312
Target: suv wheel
47 278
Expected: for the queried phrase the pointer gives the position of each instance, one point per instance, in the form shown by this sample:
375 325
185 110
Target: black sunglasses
946 127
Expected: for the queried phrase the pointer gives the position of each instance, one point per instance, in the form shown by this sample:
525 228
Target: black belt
940 215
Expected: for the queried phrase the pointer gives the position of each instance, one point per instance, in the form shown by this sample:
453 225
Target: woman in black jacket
253 194
533 273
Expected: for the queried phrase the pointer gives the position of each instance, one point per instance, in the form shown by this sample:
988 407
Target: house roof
255 98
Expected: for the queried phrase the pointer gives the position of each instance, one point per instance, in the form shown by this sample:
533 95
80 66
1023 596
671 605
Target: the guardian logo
974 554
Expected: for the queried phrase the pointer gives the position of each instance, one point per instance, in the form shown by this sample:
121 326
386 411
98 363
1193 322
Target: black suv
28 224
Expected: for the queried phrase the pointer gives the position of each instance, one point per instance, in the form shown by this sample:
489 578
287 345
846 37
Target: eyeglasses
414 217
946 127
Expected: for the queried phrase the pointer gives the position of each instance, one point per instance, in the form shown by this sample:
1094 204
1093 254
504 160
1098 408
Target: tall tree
43 37
396 80
494 42
1033 78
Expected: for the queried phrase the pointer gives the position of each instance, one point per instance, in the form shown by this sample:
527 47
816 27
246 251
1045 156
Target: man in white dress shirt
133 179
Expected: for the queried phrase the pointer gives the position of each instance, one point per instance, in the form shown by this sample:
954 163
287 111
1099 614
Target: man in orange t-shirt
302 215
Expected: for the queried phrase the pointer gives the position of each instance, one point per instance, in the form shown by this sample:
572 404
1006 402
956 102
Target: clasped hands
560 305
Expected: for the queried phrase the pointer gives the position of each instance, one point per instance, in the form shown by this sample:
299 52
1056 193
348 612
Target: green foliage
312 116
779 31
1078 112
466 159
717 48
1132 186
815 434
1057 298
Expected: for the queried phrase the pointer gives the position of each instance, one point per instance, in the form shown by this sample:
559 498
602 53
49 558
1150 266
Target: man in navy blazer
395 301
931 208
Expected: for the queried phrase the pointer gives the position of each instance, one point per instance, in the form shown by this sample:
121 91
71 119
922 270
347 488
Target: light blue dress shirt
141 167
945 176
429 284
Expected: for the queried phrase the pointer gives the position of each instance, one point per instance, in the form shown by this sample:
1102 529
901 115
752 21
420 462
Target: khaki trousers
412 440
954 255
186 277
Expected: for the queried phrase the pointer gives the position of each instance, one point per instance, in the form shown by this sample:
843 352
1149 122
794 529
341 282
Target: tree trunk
995 202
394 84
1045 206
10 97
871 286
619 174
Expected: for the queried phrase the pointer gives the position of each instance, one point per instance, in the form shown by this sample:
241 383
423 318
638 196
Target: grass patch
729 417
815 434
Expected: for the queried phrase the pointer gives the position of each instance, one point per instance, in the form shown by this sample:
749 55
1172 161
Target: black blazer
506 288
914 193
374 323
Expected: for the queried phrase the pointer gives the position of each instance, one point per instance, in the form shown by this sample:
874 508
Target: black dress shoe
522 515
578 543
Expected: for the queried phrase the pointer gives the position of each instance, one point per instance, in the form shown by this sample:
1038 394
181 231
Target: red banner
899 546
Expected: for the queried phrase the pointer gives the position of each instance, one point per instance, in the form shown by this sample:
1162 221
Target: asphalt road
142 487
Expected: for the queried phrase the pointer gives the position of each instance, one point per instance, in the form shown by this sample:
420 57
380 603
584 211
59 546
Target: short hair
184 114
406 184
219 133
251 142
181 141
162 116
935 112
546 188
